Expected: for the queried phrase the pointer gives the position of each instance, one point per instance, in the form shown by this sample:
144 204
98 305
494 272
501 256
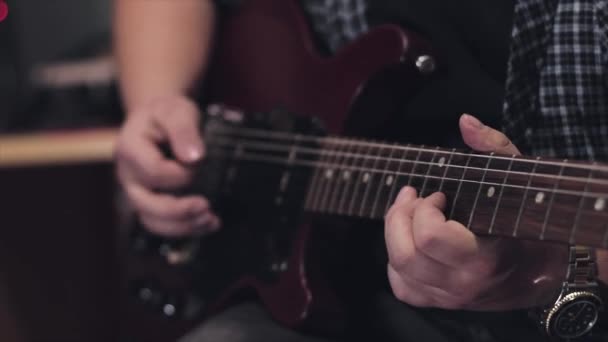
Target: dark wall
47 29
41 31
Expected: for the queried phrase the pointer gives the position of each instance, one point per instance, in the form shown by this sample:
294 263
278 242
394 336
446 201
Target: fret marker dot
366 178
329 174
441 161
600 204
491 192
346 175
389 180
540 198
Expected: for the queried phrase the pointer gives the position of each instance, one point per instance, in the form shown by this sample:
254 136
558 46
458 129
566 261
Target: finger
484 138
397 232
165 206
447 242
408 291
180 122
428 271
403 251
413 292
140 161
407 193
207 223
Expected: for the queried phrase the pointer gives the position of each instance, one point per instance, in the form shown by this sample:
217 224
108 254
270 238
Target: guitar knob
149 295
177 253
172 307
426 64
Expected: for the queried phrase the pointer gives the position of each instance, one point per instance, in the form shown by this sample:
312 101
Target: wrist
575 310
167 99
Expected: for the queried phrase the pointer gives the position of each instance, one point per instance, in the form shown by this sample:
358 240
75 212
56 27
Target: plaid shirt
556 94
337 22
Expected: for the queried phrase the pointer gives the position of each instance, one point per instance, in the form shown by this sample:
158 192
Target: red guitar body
265 58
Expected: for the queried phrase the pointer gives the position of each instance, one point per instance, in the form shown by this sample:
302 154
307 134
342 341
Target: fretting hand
435 262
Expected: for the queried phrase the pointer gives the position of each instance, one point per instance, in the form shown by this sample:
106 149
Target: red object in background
3 10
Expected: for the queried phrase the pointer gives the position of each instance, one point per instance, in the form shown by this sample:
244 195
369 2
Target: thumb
182 130
484 138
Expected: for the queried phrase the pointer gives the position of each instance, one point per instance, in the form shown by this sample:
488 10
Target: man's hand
434 262
148 176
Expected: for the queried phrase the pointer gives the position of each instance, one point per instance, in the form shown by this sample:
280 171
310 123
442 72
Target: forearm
162 46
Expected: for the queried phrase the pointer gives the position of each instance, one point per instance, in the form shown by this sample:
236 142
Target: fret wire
331 179
409 180
445 172
351 207
286 135
426 176
322 181
314 189
349 184
502 189
521 207
339 180
551 200
381 184
497 157
580 208
313 164
368 185
293 151
458 189
291 157
394 186
483 178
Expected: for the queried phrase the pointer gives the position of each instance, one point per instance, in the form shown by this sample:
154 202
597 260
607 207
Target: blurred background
60 263
55 65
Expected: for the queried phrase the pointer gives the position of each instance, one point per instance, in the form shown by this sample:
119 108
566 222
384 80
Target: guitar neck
521 197
514 196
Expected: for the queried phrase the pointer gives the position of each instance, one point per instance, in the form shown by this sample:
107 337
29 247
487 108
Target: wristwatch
576 309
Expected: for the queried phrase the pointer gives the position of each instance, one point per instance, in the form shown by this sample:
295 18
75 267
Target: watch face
575 318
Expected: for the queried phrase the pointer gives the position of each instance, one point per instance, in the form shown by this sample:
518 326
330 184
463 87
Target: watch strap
582 270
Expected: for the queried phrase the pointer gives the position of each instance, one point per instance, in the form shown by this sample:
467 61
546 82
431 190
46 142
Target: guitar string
304 163
252 144
313 164
286 136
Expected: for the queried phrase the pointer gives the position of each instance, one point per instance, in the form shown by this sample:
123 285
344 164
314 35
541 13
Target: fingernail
208 224
472 121
194 154
406 194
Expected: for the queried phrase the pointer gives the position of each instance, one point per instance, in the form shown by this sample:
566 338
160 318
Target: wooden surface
57 148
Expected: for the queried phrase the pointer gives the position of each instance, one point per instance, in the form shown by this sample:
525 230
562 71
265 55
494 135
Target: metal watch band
582 270
579 293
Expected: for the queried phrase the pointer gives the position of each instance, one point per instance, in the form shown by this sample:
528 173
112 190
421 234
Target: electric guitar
283 151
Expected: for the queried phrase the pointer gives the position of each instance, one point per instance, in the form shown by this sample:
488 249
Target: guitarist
447 284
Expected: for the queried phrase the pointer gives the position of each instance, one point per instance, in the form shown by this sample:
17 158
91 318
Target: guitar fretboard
535 198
